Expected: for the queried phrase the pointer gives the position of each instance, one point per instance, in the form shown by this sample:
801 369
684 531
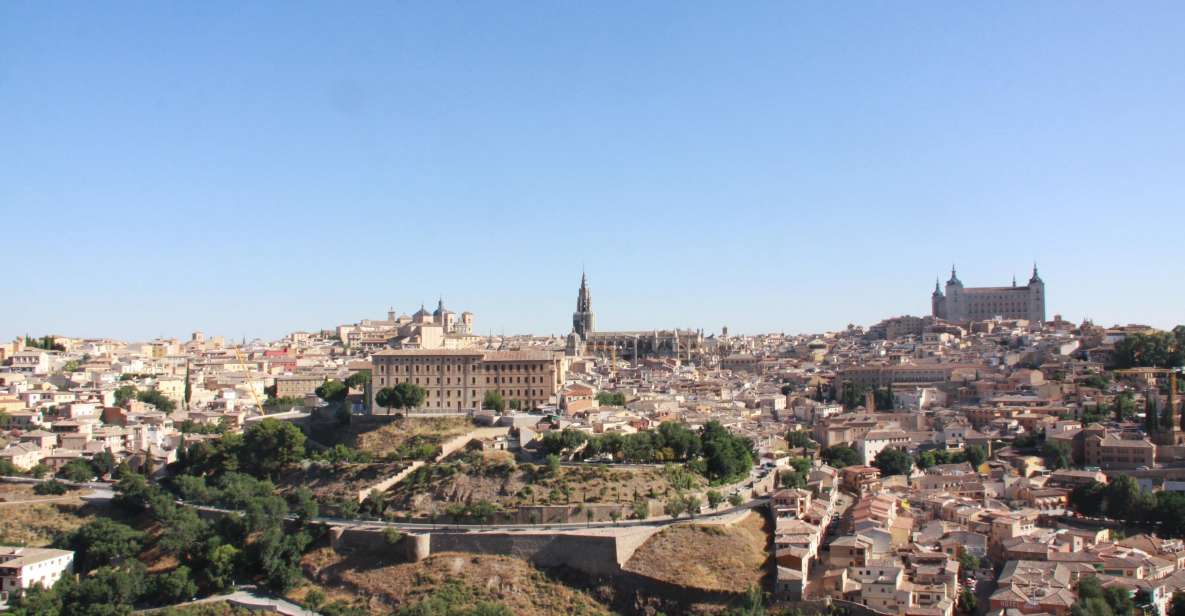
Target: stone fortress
960 304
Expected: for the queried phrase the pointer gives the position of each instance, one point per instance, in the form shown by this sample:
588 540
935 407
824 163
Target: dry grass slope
501 579
708 556
37 525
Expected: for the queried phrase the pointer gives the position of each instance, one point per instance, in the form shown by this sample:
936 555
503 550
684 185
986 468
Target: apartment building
22 568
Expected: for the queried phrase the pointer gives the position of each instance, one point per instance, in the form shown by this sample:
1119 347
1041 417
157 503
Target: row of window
518 380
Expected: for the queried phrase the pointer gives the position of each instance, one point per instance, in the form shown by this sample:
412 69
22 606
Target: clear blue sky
255 168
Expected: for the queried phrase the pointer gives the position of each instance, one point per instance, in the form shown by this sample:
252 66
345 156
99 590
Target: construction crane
250 386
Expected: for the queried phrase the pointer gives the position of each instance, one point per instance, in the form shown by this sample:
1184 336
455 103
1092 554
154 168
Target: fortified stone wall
592 554
599 553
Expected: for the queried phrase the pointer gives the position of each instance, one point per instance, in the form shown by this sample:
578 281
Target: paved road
445 527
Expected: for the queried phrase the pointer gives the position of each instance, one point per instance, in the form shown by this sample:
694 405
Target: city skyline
178 168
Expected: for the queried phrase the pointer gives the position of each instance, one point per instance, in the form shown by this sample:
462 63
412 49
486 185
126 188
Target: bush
51 487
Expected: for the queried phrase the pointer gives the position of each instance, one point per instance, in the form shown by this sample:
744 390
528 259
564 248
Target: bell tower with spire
937 302
583 320
1036 288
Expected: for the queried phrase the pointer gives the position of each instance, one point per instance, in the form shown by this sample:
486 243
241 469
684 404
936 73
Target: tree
800 439
332 390
303 505
553 465
675 506
157 399
893 461
188 393
840 456
50 488
387 398
967 602
968 562
608 398
219 571
1056 455
726 456
714 499
975 455
103 542
735 499
640 509
78 471
175 586
103 463
271 445
493 401
123 394
1088 499
1151 415
277 556
1120 496
1157 349
358 380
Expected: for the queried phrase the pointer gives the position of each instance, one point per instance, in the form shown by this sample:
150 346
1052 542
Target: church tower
937 302
1036 297
583 320
954 303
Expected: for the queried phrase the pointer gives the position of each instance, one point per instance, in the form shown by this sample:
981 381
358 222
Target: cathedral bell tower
583 320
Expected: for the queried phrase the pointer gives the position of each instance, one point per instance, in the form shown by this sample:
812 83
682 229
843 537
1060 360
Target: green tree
1120 496
221 560
332 390
1056 455
553 465
840 456
358 380
493 401
269 446
387 398
78 471
50 488
303 505
188 393
157 399
1157 349
607 398
675 506
714 499
1088 499
175 586
736 500
967 602
123 394
103 542
892 461
726 456
1151 415
975 455
103 463
968 562
800 439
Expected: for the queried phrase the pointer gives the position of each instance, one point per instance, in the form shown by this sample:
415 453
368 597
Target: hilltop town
983 459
